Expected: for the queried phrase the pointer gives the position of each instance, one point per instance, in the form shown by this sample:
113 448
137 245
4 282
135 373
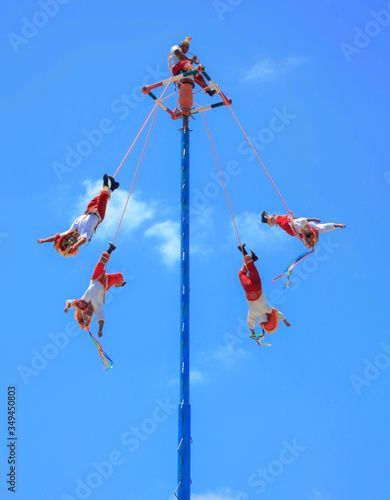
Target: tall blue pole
184 469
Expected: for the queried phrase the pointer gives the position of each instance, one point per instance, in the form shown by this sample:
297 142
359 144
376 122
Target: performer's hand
40 241
317 220
72 248
67 307
287 323
100 333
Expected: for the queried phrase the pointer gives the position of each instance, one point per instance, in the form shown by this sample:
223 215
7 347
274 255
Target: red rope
135 175
143 126
220 173
135 140
143 151
261 163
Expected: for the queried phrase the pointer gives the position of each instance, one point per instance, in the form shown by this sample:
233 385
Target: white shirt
95 295
85 226
173 59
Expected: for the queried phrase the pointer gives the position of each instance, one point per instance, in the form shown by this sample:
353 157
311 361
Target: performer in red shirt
307 229
267 316
93 299
83 228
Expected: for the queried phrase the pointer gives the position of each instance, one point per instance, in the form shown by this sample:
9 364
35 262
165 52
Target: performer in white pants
267 316
308 229
93 299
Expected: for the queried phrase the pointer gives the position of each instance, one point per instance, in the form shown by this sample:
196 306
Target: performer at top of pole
178 62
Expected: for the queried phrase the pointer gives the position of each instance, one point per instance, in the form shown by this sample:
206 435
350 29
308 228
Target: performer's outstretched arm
80 241
47 240
101 324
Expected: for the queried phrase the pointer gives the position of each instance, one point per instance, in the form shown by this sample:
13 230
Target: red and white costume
87 223
100 283
258 305
175 65
284 221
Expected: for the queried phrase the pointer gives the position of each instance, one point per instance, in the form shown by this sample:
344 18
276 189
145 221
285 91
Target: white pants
260 308
321 228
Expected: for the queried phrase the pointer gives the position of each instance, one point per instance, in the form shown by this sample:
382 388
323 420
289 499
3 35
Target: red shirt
284 222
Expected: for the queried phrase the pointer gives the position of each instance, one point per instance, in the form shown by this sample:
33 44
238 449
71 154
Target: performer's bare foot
67 307
339 225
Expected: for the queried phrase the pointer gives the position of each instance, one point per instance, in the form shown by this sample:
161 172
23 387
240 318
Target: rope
170 95
261 163
135 176
155 108
143 126
135 140
220 173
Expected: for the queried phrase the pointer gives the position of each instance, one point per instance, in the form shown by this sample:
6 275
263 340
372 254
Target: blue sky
306 418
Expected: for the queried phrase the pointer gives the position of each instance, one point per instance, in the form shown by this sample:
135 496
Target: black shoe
111 249
211 92
113 184
254 256
242 249
264 217
105 180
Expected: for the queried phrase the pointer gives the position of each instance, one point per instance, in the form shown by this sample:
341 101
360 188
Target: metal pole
184 474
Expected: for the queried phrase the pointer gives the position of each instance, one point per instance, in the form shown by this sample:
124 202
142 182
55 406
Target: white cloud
265 70
253 232
196 378
229 356
137 211
223 494
317 495
168 234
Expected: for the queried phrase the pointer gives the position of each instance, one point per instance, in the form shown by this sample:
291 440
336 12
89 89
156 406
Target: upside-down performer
178 62
83 228
307 229
267 316
93 299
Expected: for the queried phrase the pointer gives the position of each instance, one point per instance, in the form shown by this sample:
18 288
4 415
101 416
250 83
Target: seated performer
178 62
93 299
82 229
267 316
308 229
